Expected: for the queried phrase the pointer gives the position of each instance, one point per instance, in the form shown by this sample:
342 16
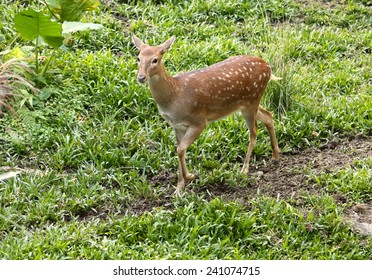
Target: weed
13 83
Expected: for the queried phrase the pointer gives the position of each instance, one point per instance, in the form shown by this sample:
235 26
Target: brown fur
189 101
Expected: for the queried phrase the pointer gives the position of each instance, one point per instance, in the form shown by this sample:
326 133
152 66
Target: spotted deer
189 101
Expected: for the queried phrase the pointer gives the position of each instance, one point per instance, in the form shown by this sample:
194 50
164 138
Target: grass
198 229
100 162
353 182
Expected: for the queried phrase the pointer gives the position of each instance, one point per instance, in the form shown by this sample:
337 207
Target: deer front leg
185 137
180 133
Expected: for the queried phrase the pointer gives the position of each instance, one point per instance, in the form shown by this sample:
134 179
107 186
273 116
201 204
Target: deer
189 101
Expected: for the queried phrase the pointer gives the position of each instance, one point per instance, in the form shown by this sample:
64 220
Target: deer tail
274 78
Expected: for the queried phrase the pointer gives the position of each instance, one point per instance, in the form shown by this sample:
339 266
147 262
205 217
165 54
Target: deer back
222 88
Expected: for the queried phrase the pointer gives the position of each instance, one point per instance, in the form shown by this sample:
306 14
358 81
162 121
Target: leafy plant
35 26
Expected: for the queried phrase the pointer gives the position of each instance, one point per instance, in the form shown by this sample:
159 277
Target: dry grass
11 80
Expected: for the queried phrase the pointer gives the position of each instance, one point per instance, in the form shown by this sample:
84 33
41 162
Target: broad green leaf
54 41
30 24
73 26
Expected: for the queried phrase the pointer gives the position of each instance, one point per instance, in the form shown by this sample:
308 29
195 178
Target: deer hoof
245 169
191 176
179 189
178 192
275 161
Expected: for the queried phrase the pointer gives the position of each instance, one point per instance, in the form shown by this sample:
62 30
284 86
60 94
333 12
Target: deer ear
137 42
166 45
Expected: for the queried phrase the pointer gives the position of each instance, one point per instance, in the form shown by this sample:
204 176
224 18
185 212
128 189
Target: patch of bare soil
288 178
322 3
360 216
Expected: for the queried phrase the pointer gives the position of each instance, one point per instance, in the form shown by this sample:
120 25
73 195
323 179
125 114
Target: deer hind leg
267 118
185 137
250 119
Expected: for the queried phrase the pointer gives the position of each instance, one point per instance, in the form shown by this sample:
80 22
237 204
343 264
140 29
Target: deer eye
154 61
138 60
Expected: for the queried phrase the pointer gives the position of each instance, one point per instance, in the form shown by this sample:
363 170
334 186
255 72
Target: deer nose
141 79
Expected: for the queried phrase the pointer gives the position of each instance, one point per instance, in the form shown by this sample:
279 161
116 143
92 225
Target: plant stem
37 55
48 63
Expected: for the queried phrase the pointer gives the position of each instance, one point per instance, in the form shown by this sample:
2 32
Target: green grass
98 141
197 229
353 182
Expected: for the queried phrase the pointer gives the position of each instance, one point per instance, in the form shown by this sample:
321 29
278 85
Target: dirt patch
360 217
145 205
326 4
288 178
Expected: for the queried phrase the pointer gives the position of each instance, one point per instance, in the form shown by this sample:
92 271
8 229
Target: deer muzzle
141 79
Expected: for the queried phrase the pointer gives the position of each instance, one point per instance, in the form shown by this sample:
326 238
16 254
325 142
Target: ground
286 178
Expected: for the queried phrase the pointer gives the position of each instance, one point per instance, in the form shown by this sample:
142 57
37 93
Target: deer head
150 58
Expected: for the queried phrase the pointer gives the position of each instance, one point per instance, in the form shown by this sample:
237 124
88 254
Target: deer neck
162 87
